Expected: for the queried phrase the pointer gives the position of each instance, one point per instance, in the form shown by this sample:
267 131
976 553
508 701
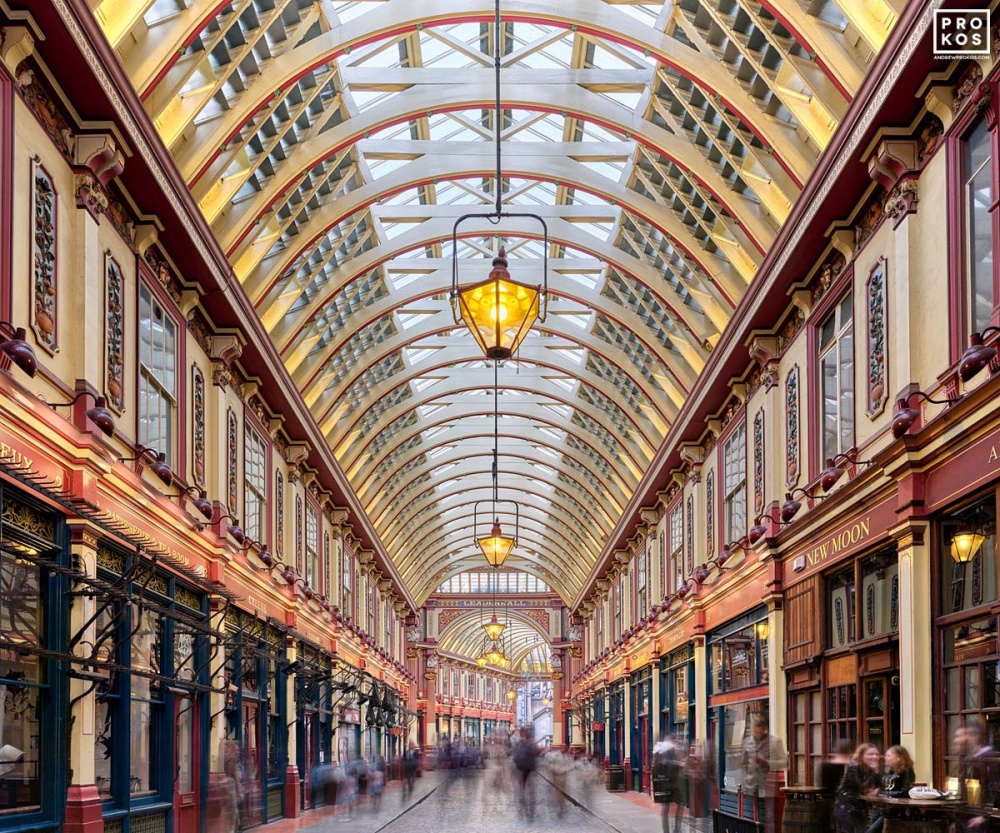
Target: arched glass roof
331 144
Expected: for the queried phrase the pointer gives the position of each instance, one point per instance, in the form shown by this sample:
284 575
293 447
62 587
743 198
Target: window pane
980 233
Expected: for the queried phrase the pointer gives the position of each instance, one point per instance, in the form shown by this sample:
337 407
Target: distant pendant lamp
495 655
493 628
511 694
965 543
499 312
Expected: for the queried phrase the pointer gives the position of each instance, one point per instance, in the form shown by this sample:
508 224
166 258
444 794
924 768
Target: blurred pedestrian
764 762
829 774
376 781
525 757
861 781
897 779
411 762
667 789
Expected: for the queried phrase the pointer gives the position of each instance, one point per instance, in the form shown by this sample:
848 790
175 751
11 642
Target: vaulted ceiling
332 144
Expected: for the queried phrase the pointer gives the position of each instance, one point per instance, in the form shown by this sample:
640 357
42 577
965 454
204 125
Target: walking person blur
411 762
861 781
764 763
829 774
525 755
668 769
376 781
558 766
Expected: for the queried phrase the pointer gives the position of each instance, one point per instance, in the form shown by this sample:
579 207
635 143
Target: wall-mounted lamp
98 414
790 508
234 529
702 571
976 357
201 502
157 463
17 349
906 415
763 629
832 473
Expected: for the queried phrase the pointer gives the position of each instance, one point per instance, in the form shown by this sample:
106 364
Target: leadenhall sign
846 539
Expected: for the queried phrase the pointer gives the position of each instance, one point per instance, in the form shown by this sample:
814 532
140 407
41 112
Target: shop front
641 735
738 700
33 691
616 737
676 694
255 714
314 723
841 652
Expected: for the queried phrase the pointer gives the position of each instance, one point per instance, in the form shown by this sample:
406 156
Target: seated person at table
861 782
897 779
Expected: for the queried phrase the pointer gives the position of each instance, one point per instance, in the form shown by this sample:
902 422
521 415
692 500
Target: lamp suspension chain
497 49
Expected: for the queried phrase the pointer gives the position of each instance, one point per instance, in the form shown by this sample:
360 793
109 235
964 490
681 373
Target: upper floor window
618 611
157 375
255 476
346 600
734 461
836 358
977 174
676 548
640 582
312 548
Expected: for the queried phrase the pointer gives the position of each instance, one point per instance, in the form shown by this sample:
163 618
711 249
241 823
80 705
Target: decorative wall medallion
232 462
870 608
894 607
758 461
689 537
710 512
43 257
876 339
279 515
198 424
114 362
792 426
299 556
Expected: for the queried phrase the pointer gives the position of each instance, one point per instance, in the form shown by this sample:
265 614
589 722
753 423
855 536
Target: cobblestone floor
485 804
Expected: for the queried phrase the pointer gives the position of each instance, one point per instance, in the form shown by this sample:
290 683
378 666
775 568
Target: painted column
916 722
83 804
700 689
292 775
218 781
654 696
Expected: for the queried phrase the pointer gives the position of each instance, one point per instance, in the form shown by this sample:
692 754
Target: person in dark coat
668 778
861 781
897 779
829 774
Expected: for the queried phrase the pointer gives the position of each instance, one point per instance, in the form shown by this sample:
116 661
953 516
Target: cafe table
912 815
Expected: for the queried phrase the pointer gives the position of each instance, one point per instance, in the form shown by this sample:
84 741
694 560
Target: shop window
805 742
739 659
836 359
23 696
875 611
977 180
255 479
676 548
968 557
157 375
842 714
734 461
145 706
737 728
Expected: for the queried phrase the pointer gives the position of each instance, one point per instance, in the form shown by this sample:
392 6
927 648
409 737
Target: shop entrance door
186 743
880 711
252 802
308 754
643 753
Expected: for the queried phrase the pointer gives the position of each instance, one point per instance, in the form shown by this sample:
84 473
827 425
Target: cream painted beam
286 325
438 453
448 160
872 19
415 299
330 415
118 17
592 15
397 79
570 521
534 411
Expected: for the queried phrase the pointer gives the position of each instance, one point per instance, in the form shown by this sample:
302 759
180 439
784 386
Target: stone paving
489 802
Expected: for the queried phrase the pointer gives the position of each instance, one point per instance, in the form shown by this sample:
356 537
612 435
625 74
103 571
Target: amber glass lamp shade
763 629
511 694
498 311
482 660
495 656
965 544
496 547
494 628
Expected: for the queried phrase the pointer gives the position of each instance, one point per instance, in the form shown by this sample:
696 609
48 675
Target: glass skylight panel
354 9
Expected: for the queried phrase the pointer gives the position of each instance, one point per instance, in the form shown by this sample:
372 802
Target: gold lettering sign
993 454
840 541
